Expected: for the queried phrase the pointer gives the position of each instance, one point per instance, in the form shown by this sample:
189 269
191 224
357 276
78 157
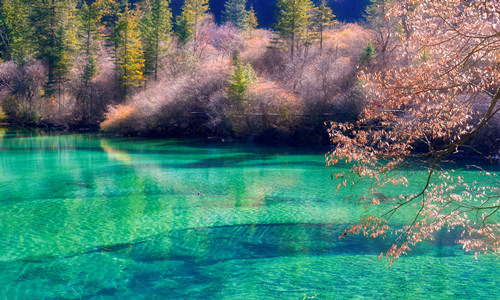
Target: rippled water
82 216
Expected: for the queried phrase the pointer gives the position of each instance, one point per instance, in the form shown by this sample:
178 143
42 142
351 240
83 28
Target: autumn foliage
139 68
238 87
442 88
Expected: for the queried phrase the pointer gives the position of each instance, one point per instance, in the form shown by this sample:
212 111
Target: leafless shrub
255 45
227 40
21 91
348 40
91 98
173 107
270 113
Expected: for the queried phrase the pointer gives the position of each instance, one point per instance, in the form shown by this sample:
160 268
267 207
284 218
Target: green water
82 216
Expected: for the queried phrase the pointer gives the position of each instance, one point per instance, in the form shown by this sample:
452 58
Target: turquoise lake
84 216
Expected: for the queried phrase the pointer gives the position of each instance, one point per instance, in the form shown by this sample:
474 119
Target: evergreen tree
53 24
375 11
129 53
90 34
155 28
235 12
322 18
183 30
294 21
243 76
111 10
368 55
251 22
193 13
15 42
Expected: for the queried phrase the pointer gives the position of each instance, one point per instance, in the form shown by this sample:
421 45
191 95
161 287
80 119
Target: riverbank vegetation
135 69
415 84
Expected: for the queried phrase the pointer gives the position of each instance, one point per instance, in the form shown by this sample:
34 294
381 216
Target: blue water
88 217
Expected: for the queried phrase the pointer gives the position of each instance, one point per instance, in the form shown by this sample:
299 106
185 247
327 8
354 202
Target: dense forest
185 69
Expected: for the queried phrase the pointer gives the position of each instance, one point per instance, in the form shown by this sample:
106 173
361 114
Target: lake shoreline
301 142
216 140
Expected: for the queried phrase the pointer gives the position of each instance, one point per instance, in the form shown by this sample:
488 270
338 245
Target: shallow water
83 216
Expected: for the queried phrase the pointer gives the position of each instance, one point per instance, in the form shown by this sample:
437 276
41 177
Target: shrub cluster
257 93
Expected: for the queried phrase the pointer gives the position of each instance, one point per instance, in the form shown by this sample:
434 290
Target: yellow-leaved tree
129 52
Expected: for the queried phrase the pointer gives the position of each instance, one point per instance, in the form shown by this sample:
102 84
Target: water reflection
85 216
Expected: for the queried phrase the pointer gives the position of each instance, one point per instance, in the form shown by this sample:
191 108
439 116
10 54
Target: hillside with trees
140 69
156 68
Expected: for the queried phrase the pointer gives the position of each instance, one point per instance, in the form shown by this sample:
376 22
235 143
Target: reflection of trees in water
115 153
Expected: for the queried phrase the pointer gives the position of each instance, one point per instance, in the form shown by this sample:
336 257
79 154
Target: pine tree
322 18
193 13
111 10
243 76
235 12
90 34
15 42
251 22
368 55
54 27
183 30
375 11
129 53
294 21
155 28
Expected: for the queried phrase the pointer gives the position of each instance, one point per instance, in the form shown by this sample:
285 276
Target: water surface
84 216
